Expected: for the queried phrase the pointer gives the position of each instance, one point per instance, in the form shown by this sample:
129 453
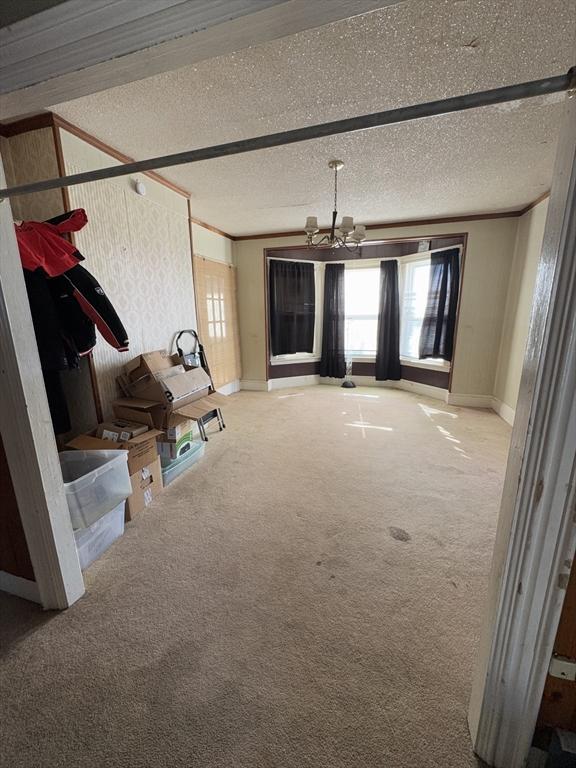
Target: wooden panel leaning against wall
217 313
558 708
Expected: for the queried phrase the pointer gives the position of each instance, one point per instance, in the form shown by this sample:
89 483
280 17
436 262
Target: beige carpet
309 595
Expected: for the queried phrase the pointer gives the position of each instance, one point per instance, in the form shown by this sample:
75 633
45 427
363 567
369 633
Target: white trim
293 381
230 388
469 401
28 438
16 585
504 411
297 357
360 381
444 366
536 537
437 393
254 385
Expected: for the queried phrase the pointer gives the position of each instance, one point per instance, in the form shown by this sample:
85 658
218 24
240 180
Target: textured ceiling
492 159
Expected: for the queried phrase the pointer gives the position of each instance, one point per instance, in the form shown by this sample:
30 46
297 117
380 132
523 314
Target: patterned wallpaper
139 249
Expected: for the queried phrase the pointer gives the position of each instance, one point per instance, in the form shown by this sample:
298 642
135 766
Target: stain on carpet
399 534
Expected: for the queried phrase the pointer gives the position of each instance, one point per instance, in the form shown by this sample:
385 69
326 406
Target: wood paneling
394 224
14 555
384 249
308 368
217 314
558 708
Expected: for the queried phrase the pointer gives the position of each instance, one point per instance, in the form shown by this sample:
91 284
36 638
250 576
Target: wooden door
217 313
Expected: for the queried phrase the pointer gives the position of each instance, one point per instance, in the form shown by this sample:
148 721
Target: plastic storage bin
95 483
92 542
175 468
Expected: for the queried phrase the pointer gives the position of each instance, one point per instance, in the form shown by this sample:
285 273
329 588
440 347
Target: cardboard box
155 376
154 415
119 430
172 450
146 485
141 448
178 430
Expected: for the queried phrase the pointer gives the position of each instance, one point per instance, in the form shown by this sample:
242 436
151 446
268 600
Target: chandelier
346 234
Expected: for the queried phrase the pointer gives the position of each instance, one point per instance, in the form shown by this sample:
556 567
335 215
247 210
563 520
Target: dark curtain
437 336
388 339
292 307
333 362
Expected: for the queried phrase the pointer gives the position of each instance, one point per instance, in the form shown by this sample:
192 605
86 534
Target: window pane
362 297
413 305
361 335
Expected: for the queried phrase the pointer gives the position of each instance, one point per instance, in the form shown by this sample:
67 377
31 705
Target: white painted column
536 535
28 437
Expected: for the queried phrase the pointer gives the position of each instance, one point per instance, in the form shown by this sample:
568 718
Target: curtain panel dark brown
333 362
292 307
439 324
388 338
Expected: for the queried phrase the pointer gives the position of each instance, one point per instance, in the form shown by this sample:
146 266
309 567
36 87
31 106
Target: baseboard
230 388
254 385
360 381
293 381
422 389
503 410
20 587
469 401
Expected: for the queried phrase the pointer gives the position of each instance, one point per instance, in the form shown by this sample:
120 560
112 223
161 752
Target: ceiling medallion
346 235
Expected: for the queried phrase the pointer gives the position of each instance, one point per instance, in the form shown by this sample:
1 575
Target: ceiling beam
467 101
75 48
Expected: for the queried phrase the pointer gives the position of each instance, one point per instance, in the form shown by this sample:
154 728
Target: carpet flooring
309 595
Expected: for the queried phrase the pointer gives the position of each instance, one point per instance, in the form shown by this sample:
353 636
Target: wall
138 247
489 256
211 245
518 308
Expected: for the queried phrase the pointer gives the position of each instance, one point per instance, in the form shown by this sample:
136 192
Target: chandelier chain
335 189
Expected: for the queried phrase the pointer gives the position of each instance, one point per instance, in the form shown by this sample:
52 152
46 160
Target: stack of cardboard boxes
155 422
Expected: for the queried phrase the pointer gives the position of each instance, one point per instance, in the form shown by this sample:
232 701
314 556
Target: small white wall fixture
536 537
28 438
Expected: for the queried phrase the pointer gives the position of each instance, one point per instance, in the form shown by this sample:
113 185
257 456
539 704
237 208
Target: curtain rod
374 120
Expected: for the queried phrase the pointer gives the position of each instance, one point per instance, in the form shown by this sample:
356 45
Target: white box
92 542
95 482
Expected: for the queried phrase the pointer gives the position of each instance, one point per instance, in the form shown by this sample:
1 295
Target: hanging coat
42 246
67 304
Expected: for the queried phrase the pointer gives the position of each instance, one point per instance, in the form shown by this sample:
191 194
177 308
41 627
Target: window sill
410 362
304 358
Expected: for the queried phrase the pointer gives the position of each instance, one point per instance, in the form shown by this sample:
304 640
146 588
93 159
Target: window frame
416 362
316 354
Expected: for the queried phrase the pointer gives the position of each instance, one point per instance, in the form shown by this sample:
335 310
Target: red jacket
41 244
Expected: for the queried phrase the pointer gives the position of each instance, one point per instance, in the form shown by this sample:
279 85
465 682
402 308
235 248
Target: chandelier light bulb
347 224
311 225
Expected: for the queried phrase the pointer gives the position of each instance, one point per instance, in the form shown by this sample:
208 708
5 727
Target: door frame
536 537
29 442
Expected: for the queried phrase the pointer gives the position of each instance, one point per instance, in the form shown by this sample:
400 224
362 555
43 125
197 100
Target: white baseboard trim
293 381
254 385
360 381
20 587
469 401
230 388
422 389
504 411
